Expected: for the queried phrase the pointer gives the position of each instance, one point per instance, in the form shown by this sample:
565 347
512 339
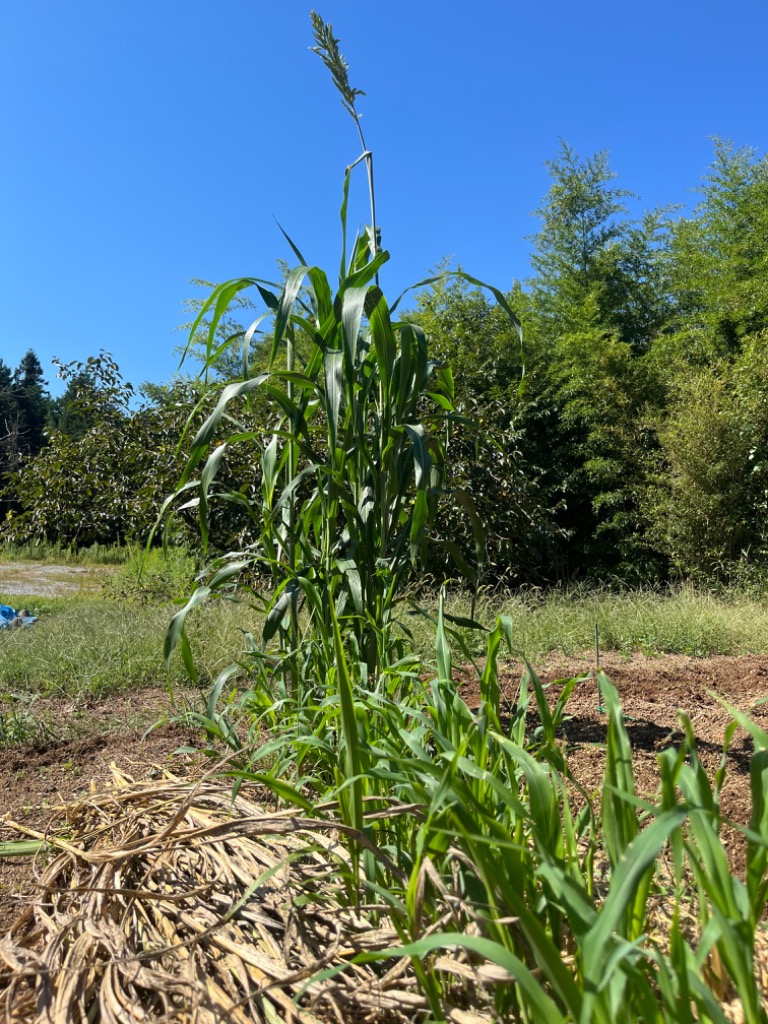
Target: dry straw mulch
167 901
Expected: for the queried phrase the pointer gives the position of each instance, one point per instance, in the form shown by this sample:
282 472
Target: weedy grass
18 722
59 554
679 620
97 647
83 644
153 576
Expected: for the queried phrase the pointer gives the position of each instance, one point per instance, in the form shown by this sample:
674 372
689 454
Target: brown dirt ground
652 690
36 779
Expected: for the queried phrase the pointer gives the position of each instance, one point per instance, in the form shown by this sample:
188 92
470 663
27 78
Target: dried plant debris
168 901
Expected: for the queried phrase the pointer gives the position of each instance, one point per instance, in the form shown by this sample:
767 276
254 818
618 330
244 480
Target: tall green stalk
354 469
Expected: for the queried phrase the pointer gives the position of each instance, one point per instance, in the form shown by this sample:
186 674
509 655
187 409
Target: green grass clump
18 723
156 575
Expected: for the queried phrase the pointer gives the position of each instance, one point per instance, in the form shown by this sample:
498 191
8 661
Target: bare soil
652 690
37 779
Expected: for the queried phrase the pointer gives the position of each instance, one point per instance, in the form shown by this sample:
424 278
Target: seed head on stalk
329 53
327 49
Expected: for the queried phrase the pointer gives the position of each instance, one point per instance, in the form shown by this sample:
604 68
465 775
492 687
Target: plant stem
367 155
290 360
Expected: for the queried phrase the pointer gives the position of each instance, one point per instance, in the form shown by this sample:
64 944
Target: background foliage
625 439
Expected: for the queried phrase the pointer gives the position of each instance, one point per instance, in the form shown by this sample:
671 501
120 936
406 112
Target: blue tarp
8 614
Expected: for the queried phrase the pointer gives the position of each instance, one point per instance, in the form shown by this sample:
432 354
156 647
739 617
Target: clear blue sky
147 143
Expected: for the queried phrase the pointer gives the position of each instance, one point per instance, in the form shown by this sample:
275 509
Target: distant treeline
626 438
88 467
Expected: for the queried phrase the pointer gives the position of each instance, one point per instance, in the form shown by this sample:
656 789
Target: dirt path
41 579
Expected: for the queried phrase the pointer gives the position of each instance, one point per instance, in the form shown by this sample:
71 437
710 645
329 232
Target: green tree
595 268
639 281
9 432
700 498
86 487
6 392
32 403
605 400
709 502
488 454
107 482
573 252
598 300
8 412
95 393
719 258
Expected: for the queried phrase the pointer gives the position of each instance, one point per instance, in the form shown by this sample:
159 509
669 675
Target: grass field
675 621
96 645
